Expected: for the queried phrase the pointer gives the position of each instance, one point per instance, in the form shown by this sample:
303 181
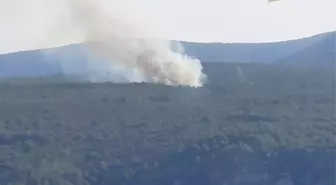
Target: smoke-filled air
115 32
121 43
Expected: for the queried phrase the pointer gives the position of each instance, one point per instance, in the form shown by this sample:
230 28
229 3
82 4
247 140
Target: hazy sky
242 20
25 24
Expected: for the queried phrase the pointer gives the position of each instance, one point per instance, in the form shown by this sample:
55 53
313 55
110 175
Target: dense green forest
249 125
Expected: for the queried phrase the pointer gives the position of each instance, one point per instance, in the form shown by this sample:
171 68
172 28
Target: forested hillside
251 124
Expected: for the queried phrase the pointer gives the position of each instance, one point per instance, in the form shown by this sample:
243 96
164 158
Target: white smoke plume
117 33
122 44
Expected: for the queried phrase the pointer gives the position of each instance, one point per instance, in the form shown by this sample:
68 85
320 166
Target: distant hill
28 63
43 62
322 52
264 52
316 50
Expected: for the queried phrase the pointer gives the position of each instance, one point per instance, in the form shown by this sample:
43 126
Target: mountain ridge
311 49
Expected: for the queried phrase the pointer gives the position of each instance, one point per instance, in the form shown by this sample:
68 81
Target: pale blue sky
24 24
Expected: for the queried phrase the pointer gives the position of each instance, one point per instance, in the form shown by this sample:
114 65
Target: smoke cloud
121 44
115 32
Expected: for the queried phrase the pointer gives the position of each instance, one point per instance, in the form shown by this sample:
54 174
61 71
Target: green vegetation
252 124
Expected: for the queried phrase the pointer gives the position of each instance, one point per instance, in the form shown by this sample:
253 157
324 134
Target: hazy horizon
35 24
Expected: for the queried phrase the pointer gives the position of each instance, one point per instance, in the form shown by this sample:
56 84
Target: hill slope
260 52
318 49
278 131
322 52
